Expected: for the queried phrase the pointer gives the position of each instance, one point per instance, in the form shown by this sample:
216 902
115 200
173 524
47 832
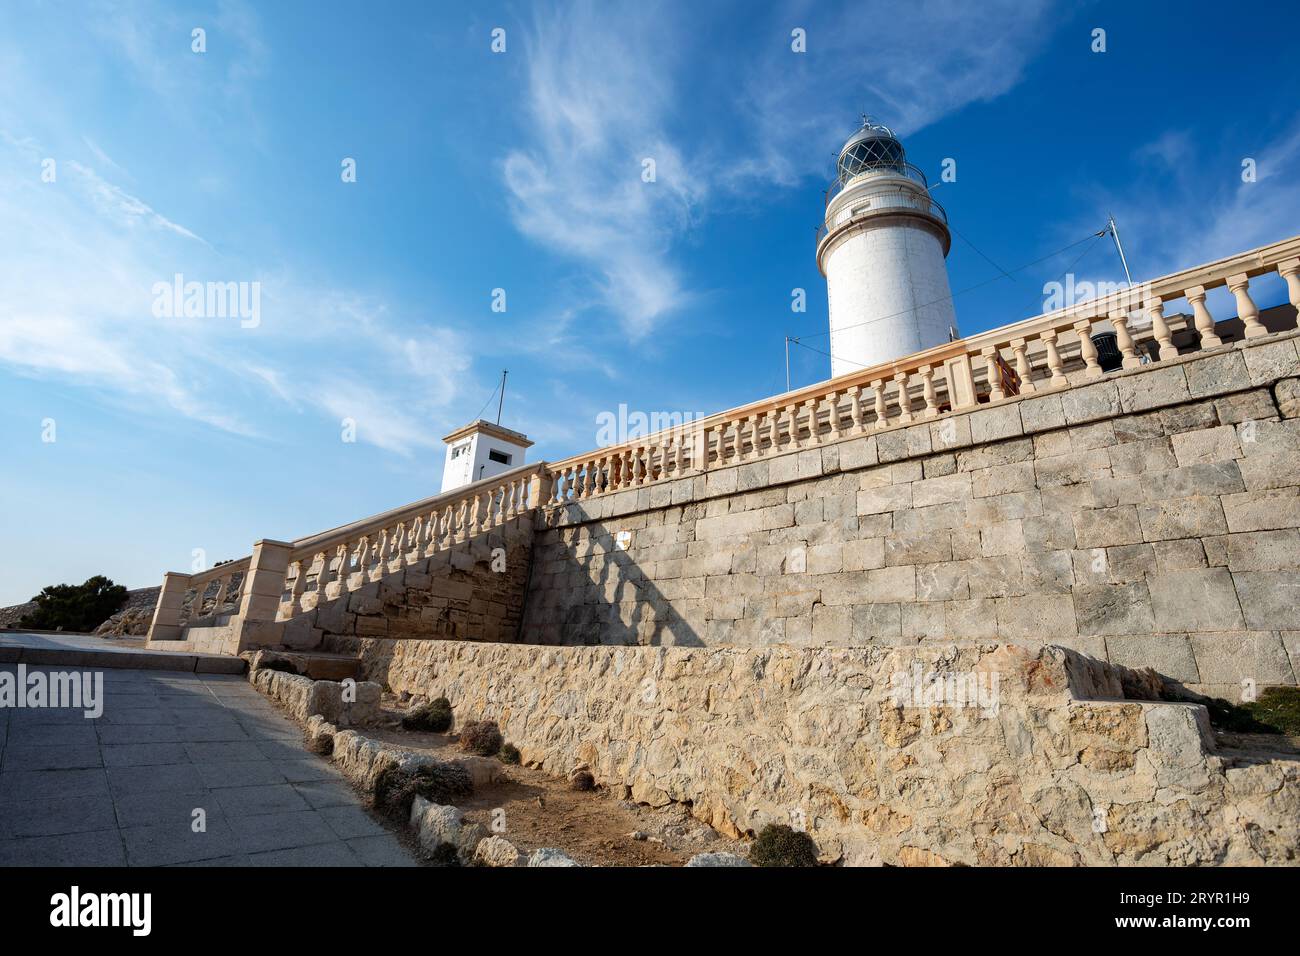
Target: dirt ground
593 827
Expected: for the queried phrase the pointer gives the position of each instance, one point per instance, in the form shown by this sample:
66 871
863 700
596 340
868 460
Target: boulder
718 859
435 824
548 856
497 851
472 835
482 770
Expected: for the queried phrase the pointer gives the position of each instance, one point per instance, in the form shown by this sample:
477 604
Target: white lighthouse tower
882 251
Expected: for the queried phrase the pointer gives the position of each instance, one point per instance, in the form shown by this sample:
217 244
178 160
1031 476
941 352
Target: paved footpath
122 789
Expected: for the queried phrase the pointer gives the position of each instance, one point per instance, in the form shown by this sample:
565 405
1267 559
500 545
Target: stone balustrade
1041 354
282 579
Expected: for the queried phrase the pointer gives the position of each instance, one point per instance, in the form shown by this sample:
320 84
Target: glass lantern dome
871 147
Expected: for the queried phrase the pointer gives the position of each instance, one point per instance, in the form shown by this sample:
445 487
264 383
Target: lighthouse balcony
908 199
883 171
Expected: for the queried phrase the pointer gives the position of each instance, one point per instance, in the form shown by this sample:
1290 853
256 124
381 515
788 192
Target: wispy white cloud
1185 206
117 203
604 91
78 262
597 108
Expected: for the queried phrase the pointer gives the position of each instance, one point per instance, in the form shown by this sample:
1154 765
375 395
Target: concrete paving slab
98 848
154 761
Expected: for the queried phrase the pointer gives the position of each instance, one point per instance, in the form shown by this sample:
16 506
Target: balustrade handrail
1261 260
325 540
215 572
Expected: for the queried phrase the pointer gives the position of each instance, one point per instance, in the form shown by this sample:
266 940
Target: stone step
64 650
318 665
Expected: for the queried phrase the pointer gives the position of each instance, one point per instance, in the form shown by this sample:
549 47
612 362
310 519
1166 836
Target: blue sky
522 171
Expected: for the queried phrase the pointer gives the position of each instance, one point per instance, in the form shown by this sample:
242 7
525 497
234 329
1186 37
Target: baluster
1201 316
1290 271
345 568
299 583
1247 311
400 539
220 599
927 389
991 356
878 386
742 430
1155 307
196 607
1020 349
856 408
904 399
1124 338
814 426
1089 351
835 423
323 579
791 426
1054 363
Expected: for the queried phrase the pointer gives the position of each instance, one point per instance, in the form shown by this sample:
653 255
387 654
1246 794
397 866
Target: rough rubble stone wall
473 591
820 737
1151 518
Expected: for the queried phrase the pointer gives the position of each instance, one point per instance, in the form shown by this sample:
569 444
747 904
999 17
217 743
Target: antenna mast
502 400
1119 247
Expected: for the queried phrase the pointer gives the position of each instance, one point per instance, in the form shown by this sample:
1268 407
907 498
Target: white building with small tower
882 249
481 450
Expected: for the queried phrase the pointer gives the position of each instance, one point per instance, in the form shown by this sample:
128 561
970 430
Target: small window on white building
459 450
500 457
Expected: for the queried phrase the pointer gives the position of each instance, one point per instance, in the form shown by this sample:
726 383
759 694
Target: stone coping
84 651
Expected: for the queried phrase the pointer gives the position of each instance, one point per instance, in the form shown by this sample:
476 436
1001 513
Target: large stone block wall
823 738
472 591
1150 518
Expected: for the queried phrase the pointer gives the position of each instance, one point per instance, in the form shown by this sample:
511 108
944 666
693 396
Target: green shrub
779 845
444 855
434 716
1277 711
481 737
75 607
508 753
396 789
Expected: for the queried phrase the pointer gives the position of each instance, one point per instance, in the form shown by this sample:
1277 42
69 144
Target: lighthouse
882 249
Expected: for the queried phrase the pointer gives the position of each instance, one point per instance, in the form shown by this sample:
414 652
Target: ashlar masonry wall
472 591
1150 518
